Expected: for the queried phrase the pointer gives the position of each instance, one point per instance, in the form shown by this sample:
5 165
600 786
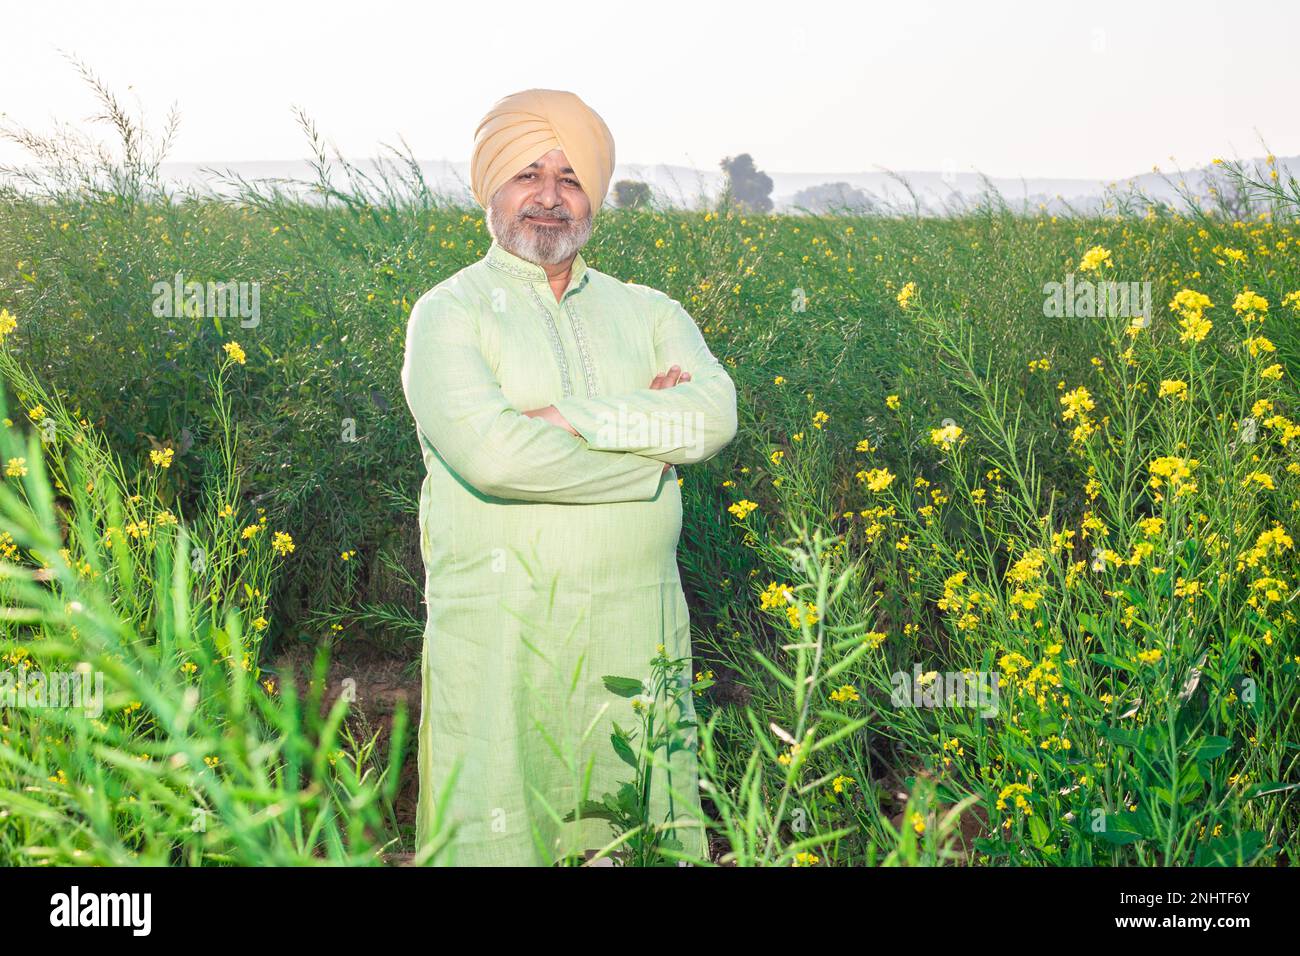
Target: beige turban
525 126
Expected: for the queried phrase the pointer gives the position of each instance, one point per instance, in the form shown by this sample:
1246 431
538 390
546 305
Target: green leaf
1039 831
1188 779
1212 748
624 751
991 847
623 686
1123 737
1140 820
220 639
1223 851
629 799
1117 663
1119 837
592 809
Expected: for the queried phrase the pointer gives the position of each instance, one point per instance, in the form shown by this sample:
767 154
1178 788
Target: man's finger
674 376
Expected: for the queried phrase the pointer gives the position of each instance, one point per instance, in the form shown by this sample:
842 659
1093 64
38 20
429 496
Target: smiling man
551 402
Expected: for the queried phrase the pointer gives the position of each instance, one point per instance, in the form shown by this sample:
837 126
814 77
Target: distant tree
1227 193
629 193
746 185
833 197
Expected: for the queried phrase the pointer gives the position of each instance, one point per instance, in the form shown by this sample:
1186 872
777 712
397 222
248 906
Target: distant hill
688 187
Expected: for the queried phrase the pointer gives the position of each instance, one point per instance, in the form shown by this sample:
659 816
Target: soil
378 683
972 823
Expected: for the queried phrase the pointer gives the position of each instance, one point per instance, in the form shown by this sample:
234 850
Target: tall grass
935 476
135 727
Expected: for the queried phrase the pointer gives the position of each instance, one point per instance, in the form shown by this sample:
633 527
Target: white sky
1096 89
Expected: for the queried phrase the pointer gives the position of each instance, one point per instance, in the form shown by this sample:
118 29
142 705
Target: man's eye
567 179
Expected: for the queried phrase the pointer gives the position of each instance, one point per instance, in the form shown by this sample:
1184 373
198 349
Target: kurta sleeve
460 408
688 423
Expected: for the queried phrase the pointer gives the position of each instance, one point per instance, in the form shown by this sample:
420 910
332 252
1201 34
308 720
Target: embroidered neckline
588 367
557 347
502 259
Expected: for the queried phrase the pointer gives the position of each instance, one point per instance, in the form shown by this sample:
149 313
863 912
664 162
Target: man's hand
664 380
552 414
668 379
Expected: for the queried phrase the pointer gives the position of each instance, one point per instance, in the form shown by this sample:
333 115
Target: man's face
541 214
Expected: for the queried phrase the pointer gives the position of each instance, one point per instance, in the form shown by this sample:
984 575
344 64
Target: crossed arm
460 408
679 419
668 379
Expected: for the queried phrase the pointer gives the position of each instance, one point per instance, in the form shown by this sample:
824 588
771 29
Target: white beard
543 245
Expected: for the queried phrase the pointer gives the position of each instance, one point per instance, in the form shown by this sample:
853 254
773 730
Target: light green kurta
533 536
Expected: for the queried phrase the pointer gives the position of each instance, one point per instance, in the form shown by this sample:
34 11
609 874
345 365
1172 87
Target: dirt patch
959 841
377 684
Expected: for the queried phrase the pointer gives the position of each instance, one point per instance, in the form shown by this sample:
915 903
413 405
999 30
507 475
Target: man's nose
548 194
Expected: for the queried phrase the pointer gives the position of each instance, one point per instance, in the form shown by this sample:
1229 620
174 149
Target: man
551 402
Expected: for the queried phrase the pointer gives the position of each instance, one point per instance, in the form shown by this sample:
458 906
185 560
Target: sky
1099 90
